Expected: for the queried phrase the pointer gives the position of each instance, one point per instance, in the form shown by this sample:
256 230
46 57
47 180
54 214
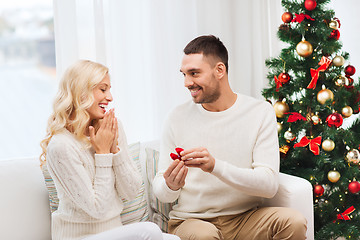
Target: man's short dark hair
208 45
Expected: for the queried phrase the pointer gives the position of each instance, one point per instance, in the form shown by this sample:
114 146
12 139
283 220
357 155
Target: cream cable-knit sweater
242 139
90 186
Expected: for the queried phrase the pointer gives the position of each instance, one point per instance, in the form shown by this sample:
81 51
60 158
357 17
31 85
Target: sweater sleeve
67 169
262 179
128 180
160 188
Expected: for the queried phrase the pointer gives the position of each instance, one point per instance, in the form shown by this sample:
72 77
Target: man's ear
220 70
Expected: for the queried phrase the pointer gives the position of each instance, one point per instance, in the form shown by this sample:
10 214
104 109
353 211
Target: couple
229 163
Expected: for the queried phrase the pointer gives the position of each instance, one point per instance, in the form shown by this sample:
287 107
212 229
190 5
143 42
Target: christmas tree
313 92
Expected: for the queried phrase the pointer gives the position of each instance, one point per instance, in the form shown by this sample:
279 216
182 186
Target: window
27 75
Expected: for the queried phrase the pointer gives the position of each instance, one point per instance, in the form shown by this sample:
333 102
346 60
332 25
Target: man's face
200 78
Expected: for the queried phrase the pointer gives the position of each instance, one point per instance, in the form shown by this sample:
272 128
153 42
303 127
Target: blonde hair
74 97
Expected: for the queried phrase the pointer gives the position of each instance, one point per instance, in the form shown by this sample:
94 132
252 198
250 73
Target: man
230 159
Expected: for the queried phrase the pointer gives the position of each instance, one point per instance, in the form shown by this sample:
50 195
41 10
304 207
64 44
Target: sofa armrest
24 202
295 192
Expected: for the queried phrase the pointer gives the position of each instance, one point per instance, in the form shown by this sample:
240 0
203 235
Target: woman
86 153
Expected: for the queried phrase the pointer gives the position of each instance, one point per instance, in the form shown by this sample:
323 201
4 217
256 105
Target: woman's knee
150 231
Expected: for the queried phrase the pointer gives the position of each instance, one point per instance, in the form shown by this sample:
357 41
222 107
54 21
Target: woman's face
102 97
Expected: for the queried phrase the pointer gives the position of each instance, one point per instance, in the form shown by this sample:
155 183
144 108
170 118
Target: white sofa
24 204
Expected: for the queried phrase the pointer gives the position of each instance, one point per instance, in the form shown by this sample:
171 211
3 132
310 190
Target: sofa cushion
134 210
53 198
160 210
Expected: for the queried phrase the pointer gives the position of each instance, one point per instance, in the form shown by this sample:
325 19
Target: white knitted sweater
90 186
242 139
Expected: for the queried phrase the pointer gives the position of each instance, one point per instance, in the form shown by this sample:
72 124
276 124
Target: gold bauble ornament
281 108
325 95
346 111
279 127
333 176
304 48
341 81
353 156
333 24
328 145
289 136
338 61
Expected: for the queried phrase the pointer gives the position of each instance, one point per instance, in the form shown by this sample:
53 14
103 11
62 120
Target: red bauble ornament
318 190
354 187
335 34
310 4
287 17
284 77
350 70
334 120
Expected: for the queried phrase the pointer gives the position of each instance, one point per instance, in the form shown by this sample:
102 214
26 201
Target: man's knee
298 222
195 229
294 224
299 219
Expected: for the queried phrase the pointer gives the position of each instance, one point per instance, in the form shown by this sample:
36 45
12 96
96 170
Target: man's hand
198 157
175 175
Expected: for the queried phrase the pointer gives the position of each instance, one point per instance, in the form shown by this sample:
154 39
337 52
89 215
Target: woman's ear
220 70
